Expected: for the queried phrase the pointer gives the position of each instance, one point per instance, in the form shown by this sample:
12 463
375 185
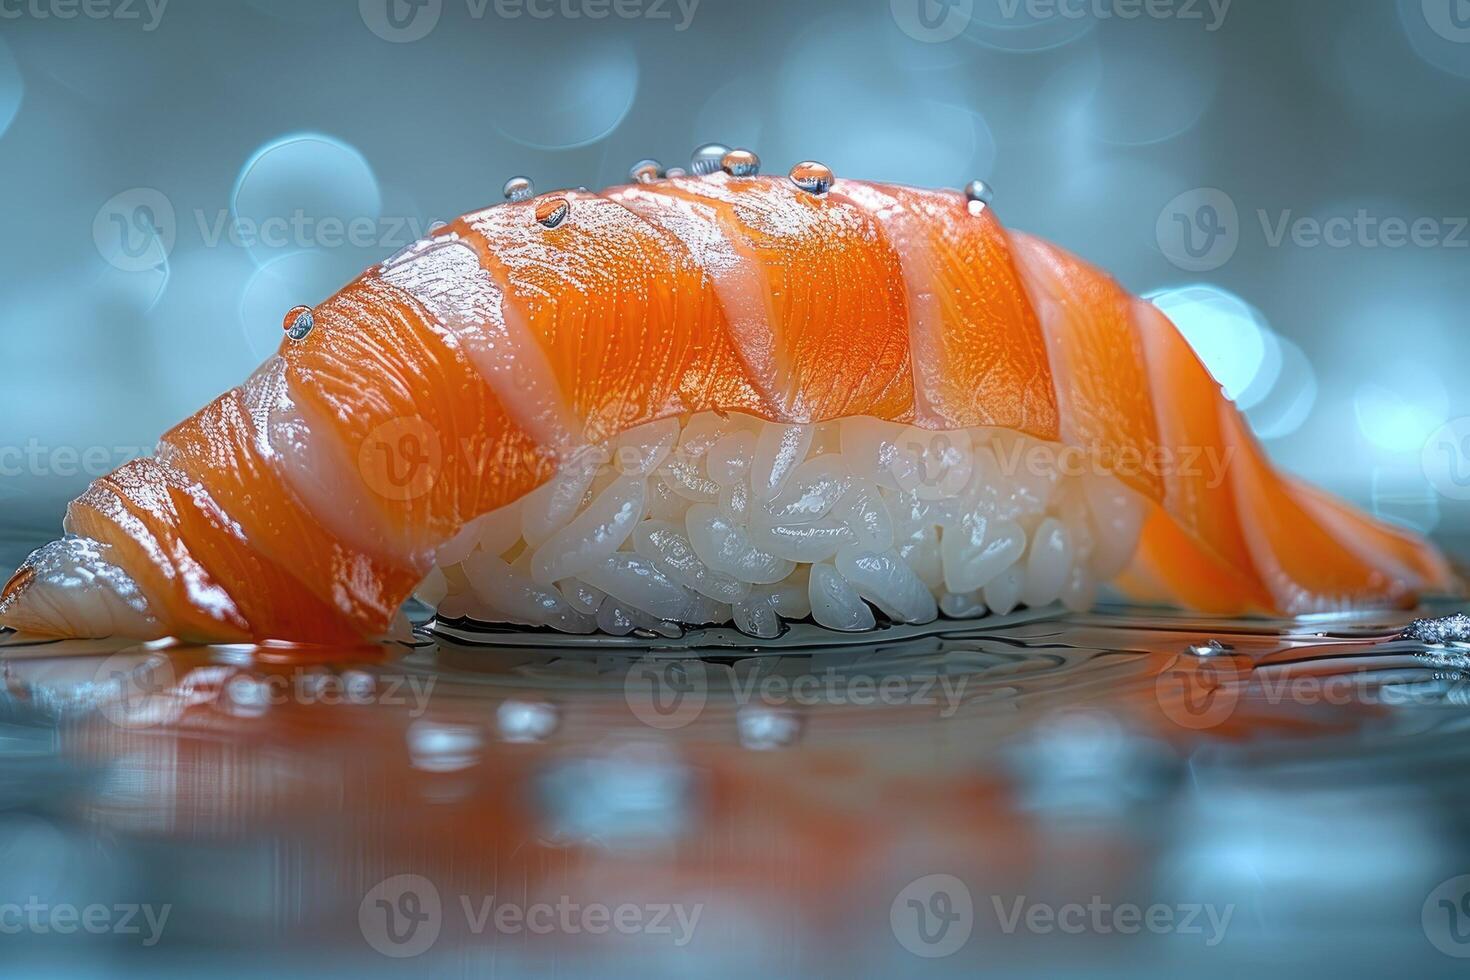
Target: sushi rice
710 519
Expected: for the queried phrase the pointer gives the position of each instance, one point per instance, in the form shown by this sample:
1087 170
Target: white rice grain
714 519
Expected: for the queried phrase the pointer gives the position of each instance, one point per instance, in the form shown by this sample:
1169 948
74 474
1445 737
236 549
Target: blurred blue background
1290 178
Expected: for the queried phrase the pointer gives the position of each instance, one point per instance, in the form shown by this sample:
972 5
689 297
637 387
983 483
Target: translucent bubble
289 280
12 89
302 192
1156 83
1224 331
1287 405
1399 409
579 98
1439 31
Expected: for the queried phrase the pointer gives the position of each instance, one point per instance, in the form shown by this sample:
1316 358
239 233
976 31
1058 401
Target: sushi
709 399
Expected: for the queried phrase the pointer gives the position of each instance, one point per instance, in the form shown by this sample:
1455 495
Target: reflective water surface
1120 794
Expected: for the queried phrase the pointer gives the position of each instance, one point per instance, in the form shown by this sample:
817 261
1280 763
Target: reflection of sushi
704 399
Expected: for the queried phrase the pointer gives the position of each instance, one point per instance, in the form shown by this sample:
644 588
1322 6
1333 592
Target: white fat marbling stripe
736 273
908 236
1035 265
445 276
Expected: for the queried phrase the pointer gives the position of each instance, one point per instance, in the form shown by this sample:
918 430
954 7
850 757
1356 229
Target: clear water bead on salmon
298 322
706 159
811 176
645 171
740 163
979 194
518 189
552 211
674 172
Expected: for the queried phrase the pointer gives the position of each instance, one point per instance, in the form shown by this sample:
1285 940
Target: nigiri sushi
709 399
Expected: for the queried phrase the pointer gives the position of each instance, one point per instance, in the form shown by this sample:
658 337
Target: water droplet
519 189
811 176
645 171
525 721
764 729
740 163
298 322
980 194
706 159
674 172
1211 649
552 211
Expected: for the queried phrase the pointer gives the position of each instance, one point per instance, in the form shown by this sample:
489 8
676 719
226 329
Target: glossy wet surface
1105 795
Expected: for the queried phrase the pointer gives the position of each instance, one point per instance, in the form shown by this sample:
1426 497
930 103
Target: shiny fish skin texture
459 375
